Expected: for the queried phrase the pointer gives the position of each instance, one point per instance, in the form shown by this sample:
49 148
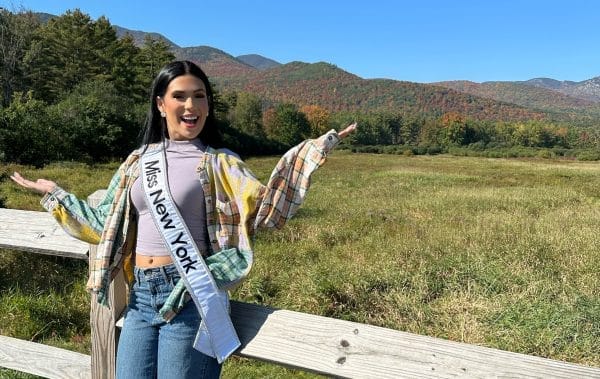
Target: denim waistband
166 272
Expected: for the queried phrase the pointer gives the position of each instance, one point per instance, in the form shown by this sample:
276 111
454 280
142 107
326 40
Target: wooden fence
307 342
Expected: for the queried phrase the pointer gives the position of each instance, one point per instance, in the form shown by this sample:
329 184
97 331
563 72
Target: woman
178 218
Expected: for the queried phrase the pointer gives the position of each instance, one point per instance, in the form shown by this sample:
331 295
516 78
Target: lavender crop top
182 159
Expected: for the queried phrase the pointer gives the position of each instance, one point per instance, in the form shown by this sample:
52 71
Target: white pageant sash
216 336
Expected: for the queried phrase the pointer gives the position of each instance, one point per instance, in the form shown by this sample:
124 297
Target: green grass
495 252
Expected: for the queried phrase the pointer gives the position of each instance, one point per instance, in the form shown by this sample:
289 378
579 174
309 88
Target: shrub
433 150
28 134
588 155
97 122
477 146
545 153
389 149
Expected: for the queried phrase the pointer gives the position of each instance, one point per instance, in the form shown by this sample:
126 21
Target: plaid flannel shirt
237 204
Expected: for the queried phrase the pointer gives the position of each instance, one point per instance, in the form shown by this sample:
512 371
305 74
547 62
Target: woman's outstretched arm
76 216
290 180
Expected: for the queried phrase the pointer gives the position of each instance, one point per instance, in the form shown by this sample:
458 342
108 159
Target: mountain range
333 88
538 93
327 85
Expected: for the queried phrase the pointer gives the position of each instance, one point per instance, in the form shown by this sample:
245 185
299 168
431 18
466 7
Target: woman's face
186 106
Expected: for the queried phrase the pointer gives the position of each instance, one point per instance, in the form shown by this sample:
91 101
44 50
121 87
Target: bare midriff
148 261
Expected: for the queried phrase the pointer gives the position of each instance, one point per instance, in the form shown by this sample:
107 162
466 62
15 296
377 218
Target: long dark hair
155 129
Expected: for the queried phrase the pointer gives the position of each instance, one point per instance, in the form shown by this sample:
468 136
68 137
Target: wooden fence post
105 335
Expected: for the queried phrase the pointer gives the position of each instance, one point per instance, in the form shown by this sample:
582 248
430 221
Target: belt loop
164 273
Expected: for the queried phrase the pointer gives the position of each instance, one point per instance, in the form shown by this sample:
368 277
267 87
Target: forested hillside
336 90
530 96
73 88
258 61
587 89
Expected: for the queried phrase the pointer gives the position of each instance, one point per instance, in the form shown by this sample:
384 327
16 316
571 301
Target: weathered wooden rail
307 342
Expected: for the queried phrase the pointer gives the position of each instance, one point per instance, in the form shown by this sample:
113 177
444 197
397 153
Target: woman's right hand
42 186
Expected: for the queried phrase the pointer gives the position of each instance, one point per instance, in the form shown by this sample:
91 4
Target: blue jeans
151 348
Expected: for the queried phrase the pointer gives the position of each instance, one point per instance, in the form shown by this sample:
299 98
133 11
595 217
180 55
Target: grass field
494 252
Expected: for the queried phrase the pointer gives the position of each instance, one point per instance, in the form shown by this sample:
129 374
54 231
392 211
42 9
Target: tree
409 131
97 122
318 118
430 133
66 56
393 124
124 68
28 134
287 125
503 134
269 121
73 49
454 129
222 103
246 115
153 55
16 33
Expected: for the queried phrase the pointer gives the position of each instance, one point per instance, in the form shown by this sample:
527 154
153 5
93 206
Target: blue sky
420 41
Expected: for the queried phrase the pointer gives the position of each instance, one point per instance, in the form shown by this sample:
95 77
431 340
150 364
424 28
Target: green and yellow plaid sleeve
76 216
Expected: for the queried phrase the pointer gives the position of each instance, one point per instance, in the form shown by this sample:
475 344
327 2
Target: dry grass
495 252
502 253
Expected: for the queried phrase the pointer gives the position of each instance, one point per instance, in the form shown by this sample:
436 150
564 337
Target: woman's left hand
349 129
41 186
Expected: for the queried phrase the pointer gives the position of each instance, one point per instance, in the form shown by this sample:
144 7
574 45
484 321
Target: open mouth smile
189 120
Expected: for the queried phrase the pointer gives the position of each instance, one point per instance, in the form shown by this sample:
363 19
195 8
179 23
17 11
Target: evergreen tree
124 69
72 49
16 33
153 55
65 57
